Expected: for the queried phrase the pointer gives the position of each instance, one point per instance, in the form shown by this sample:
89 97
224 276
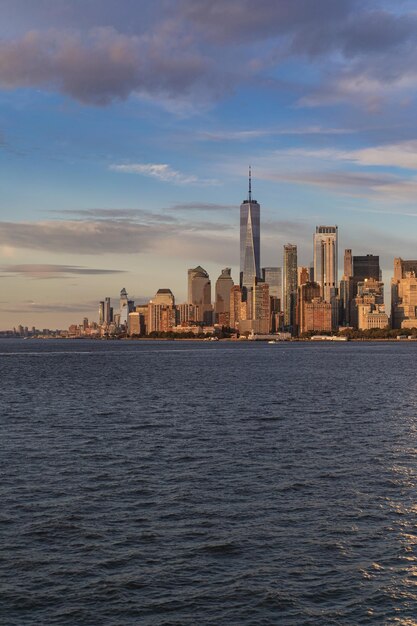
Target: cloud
140 215
202 206
247 135
32 270
239 21
161 171
401 155
115 236
186 54
50 307
100 66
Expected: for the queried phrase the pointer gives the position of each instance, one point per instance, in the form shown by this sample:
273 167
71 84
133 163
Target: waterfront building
307 292
325 260
404 294
162 314
199 293
188 313
250 265
138 320
224 286
290 285
369 299
319 316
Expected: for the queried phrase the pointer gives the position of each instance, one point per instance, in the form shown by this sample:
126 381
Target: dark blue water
196 483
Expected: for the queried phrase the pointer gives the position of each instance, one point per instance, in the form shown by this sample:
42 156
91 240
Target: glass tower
325 260
250 265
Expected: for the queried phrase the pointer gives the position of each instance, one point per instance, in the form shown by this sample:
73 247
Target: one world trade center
250 265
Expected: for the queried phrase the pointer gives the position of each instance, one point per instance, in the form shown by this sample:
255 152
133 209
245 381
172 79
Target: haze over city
126 131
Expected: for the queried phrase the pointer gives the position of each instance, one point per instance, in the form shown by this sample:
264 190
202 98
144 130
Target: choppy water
192 483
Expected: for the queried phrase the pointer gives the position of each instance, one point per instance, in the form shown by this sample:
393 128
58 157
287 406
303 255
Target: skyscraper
224 286
290 284
199 292
108 317
404 294
273 277
366 266
325 260
250 265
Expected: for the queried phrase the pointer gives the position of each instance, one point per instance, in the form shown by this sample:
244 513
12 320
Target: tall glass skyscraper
250 265
290 284
325 260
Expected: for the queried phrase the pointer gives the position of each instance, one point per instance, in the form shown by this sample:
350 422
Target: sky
127 129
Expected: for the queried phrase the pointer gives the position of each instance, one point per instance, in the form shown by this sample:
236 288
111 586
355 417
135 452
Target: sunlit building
290 285
325 260
250 265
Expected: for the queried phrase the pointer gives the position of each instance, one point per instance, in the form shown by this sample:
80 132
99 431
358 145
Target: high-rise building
250 264
347 264
235 306
224 286
290 285
101 312
199 293
126 307
108 311
303 275
369 305
188 313
366 267
273 277
162 314
307 292
346 289
319 316
404 294
325 260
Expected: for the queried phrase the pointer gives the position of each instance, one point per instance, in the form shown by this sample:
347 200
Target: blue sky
126 131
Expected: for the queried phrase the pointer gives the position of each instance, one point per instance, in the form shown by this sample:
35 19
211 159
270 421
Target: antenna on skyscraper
250 184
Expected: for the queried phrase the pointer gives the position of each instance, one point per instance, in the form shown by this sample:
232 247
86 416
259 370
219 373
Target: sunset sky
127 128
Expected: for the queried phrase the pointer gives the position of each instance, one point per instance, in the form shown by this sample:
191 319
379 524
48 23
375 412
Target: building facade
199 293
326 260
250 264
290 285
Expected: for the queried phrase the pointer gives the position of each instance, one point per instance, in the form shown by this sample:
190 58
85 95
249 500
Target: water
195 483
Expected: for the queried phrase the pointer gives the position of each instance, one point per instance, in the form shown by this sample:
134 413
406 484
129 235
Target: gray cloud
191 51
46 270
55 307
99 67
161 171
240 21
141 215
108 236
202 206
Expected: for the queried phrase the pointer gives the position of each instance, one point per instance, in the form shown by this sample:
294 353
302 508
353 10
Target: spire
250 184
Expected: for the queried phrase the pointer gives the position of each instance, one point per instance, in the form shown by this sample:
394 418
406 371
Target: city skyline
125 138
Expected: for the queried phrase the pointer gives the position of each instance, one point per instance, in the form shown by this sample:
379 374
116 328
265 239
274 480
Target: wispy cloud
249 134
117 215
202 206
33 270
163 172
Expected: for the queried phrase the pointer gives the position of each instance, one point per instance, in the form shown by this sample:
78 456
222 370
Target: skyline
125 138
